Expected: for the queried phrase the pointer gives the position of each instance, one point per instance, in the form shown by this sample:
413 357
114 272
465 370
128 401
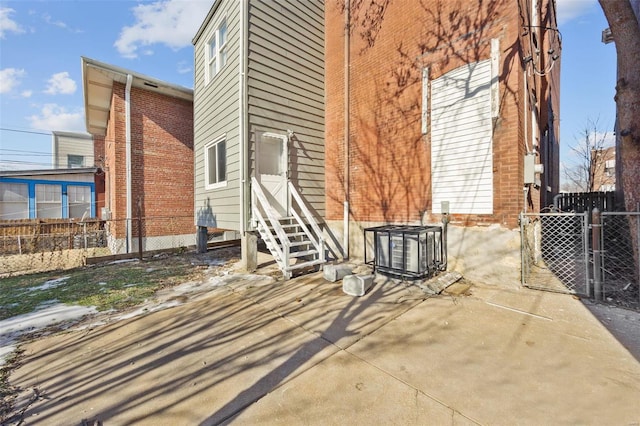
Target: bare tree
588 172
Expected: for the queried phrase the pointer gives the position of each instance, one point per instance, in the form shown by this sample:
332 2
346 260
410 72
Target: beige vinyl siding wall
286 87
74 145
216 114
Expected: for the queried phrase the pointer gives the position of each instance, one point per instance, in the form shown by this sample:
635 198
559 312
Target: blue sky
41 43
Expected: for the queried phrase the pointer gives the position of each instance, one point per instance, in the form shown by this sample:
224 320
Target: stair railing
273 216
317 240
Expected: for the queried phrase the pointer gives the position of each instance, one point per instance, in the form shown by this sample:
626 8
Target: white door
272 168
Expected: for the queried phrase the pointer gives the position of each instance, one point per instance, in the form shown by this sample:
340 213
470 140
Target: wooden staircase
296 241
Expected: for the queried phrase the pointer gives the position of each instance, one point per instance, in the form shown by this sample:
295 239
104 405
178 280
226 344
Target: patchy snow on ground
49 284
52 312
49 314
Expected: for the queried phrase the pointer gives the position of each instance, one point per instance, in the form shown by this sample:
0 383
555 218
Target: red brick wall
161 163
389 163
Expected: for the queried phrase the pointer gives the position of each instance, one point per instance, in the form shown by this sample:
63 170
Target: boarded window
461 140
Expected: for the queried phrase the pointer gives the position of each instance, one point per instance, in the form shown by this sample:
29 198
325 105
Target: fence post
585 253
139 228
596 227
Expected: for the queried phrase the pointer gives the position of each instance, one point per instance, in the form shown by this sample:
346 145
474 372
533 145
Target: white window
216 51
48 201
75 161
79 200
215 164
14 201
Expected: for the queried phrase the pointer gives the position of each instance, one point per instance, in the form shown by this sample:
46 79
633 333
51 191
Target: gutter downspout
127 112
242 101
347 79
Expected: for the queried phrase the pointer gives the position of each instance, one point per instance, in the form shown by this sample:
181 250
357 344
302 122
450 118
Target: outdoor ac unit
407 252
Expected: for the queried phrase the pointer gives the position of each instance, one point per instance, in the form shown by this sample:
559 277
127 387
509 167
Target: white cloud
571 9
10 78
26 93
169 22
60 83
60 24
54 117
7 24
184 67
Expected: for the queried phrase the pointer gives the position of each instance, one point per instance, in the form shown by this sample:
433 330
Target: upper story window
216 51
215 163
75 161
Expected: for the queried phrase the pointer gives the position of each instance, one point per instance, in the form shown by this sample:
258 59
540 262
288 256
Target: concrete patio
260 351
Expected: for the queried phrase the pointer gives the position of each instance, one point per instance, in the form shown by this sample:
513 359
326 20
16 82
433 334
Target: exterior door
272 166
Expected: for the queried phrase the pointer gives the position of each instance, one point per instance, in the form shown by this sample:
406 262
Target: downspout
127 113
347 42
242 104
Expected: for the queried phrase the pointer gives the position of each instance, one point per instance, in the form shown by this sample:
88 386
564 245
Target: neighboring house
48 194
440 108
603 169
143 132
72 150
259 126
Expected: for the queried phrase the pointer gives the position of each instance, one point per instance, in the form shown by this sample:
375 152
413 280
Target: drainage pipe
241 119
347 42
127 112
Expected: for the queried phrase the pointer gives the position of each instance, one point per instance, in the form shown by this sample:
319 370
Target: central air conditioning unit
413 252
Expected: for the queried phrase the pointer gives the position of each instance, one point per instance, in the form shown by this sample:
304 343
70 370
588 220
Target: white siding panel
461 140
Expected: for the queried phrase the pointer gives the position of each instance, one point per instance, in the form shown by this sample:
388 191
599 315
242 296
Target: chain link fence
31 246
555 252
587 254
619 265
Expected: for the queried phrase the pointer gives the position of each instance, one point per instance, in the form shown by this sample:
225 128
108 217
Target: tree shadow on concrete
249 330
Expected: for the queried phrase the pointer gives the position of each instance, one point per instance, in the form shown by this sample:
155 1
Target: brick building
437 107
143 132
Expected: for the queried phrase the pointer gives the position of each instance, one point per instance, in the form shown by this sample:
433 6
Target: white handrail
319 244
256 188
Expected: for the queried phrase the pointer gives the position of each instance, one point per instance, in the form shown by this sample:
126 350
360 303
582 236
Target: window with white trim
75 161
216 51
14 201
48 201
215 164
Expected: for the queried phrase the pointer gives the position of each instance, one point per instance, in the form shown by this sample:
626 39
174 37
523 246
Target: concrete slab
321 307
197 363
358 394
265 351
502 366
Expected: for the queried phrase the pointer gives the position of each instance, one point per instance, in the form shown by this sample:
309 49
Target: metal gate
555 252
590 254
